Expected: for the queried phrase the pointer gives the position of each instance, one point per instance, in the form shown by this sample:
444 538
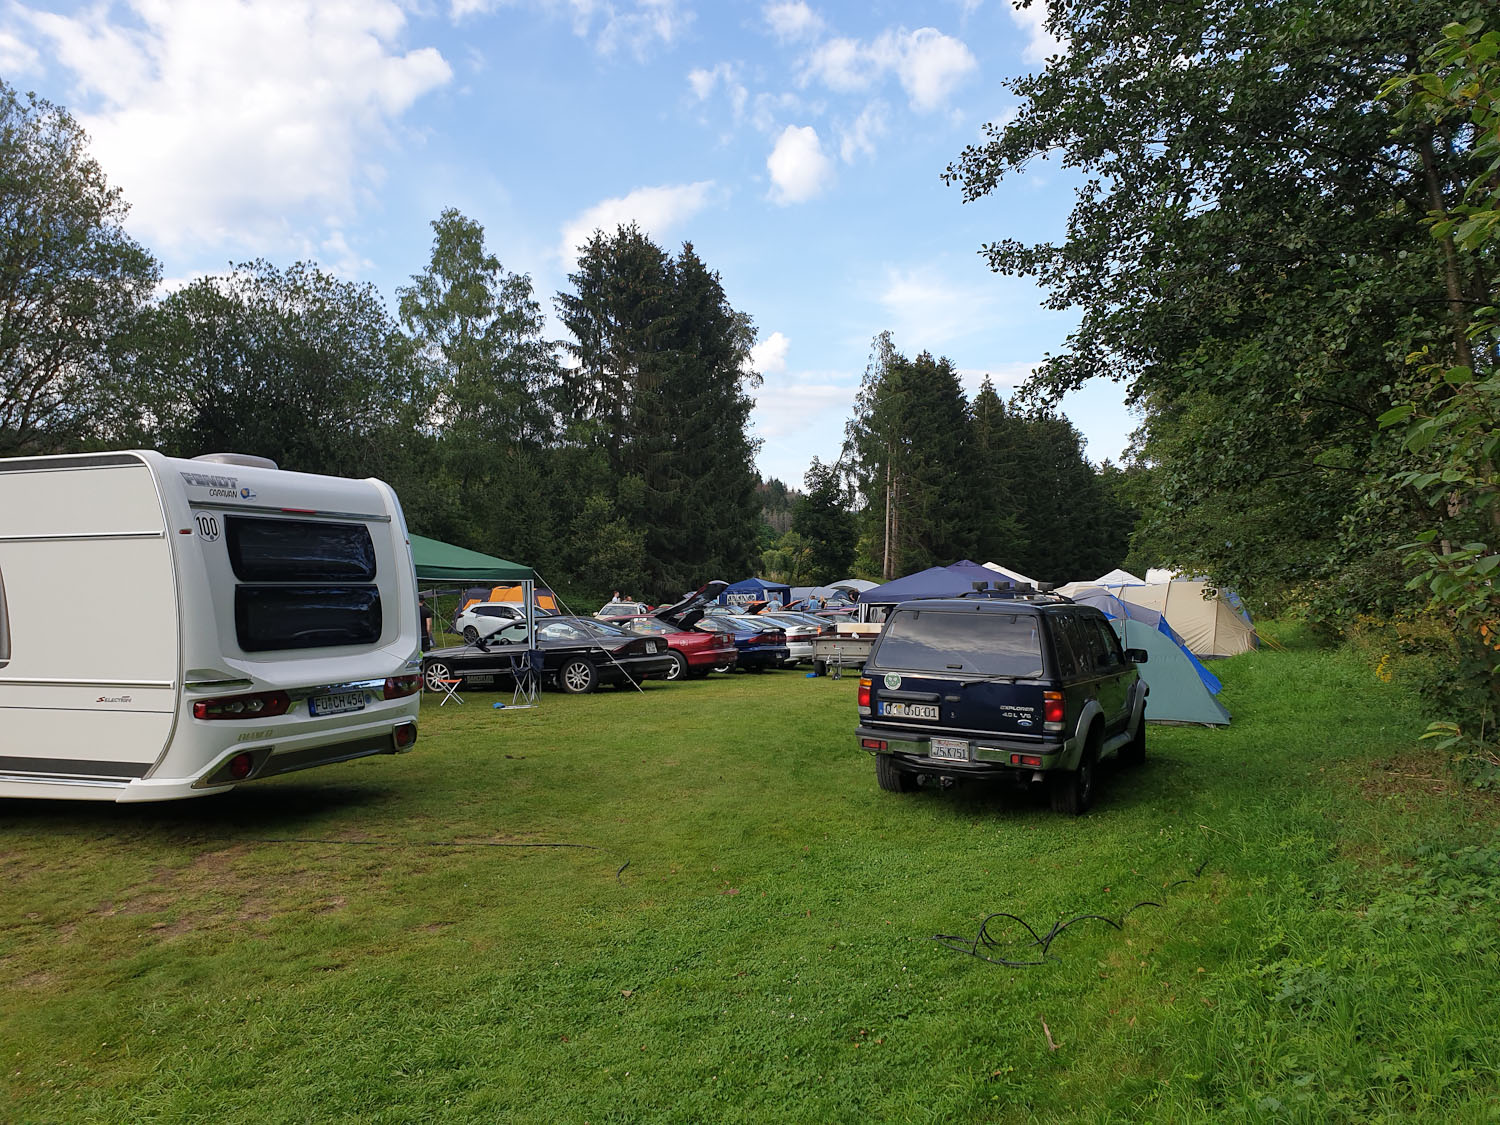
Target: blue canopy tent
936 582
1182 689
749 590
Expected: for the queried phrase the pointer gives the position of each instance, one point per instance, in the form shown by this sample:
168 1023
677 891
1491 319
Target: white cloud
769 356
638 29
637 25
799 167
927 310
234 125
845 65
656 210
929 64
1005 377
792 20
16 55
860 137
705 82
1040 43
766 108
796 404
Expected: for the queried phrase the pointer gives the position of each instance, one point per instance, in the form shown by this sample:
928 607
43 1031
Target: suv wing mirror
1137 655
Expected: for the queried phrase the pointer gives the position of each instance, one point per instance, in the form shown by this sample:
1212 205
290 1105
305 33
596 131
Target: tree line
619 459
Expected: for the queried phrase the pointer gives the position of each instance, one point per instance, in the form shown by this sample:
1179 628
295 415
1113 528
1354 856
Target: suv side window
1097 659
1078 642
1067 663
1110 657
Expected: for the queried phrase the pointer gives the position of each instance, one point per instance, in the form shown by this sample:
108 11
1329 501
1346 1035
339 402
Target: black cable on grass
983 943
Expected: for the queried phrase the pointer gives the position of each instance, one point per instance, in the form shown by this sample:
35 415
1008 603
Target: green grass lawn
741 928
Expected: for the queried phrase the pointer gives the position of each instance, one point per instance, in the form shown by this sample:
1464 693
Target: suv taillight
1052 710
864 693
259 706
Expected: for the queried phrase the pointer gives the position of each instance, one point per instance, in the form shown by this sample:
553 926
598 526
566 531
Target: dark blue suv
1018 691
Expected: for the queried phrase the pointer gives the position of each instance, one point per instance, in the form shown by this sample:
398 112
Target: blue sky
797 145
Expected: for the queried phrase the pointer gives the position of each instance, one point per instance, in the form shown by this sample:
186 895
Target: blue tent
755 590
1182 689
936 582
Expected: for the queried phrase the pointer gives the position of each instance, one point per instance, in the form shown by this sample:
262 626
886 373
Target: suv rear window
983 644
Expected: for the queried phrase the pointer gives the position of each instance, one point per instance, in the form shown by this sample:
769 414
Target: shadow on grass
1117 788
251 811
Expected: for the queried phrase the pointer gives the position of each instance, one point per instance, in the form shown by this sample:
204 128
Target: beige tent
1208 626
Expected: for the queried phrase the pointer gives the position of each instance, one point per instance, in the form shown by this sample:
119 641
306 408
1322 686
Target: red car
695 653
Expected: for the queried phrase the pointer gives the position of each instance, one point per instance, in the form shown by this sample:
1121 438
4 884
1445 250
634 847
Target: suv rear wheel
1073 790
891 777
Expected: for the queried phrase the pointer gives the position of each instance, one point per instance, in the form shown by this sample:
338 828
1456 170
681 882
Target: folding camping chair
526 673
450 690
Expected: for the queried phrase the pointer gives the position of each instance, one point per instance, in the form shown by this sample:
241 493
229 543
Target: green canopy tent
458 566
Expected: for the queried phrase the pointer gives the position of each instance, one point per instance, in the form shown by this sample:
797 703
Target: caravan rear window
304 583
289 617
265 550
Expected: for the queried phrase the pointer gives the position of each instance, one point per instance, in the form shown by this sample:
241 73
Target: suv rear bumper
988 756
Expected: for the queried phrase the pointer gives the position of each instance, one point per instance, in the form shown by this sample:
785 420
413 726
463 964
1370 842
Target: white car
485 618
622 609
799 634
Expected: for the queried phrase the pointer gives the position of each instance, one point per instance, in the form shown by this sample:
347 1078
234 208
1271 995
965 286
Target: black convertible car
576 655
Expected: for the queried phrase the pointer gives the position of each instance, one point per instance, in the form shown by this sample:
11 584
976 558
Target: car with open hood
572 654
695 652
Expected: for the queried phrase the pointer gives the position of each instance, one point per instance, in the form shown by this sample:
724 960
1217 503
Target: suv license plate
949 749
336 704
910 710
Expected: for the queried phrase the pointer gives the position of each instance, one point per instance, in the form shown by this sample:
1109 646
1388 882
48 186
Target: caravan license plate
910 710
336 704
948 749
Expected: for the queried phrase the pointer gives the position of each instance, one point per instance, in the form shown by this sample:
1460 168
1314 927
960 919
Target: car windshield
984 644
646 625
603 628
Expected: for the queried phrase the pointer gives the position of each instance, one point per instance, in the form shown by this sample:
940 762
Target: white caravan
170 628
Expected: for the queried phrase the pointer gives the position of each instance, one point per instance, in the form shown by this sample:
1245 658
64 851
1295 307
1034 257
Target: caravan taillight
397 687
259 706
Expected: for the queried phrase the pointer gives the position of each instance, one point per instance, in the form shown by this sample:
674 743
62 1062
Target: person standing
425 611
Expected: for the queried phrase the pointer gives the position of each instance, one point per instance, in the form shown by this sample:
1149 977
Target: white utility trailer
171 628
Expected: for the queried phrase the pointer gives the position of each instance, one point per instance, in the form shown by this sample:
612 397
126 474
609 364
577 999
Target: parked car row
577 654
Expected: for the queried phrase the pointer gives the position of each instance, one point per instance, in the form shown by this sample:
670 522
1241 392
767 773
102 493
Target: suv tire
891 777
1073 790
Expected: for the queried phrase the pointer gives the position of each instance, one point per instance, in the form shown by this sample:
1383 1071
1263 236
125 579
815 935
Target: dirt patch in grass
1411 777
